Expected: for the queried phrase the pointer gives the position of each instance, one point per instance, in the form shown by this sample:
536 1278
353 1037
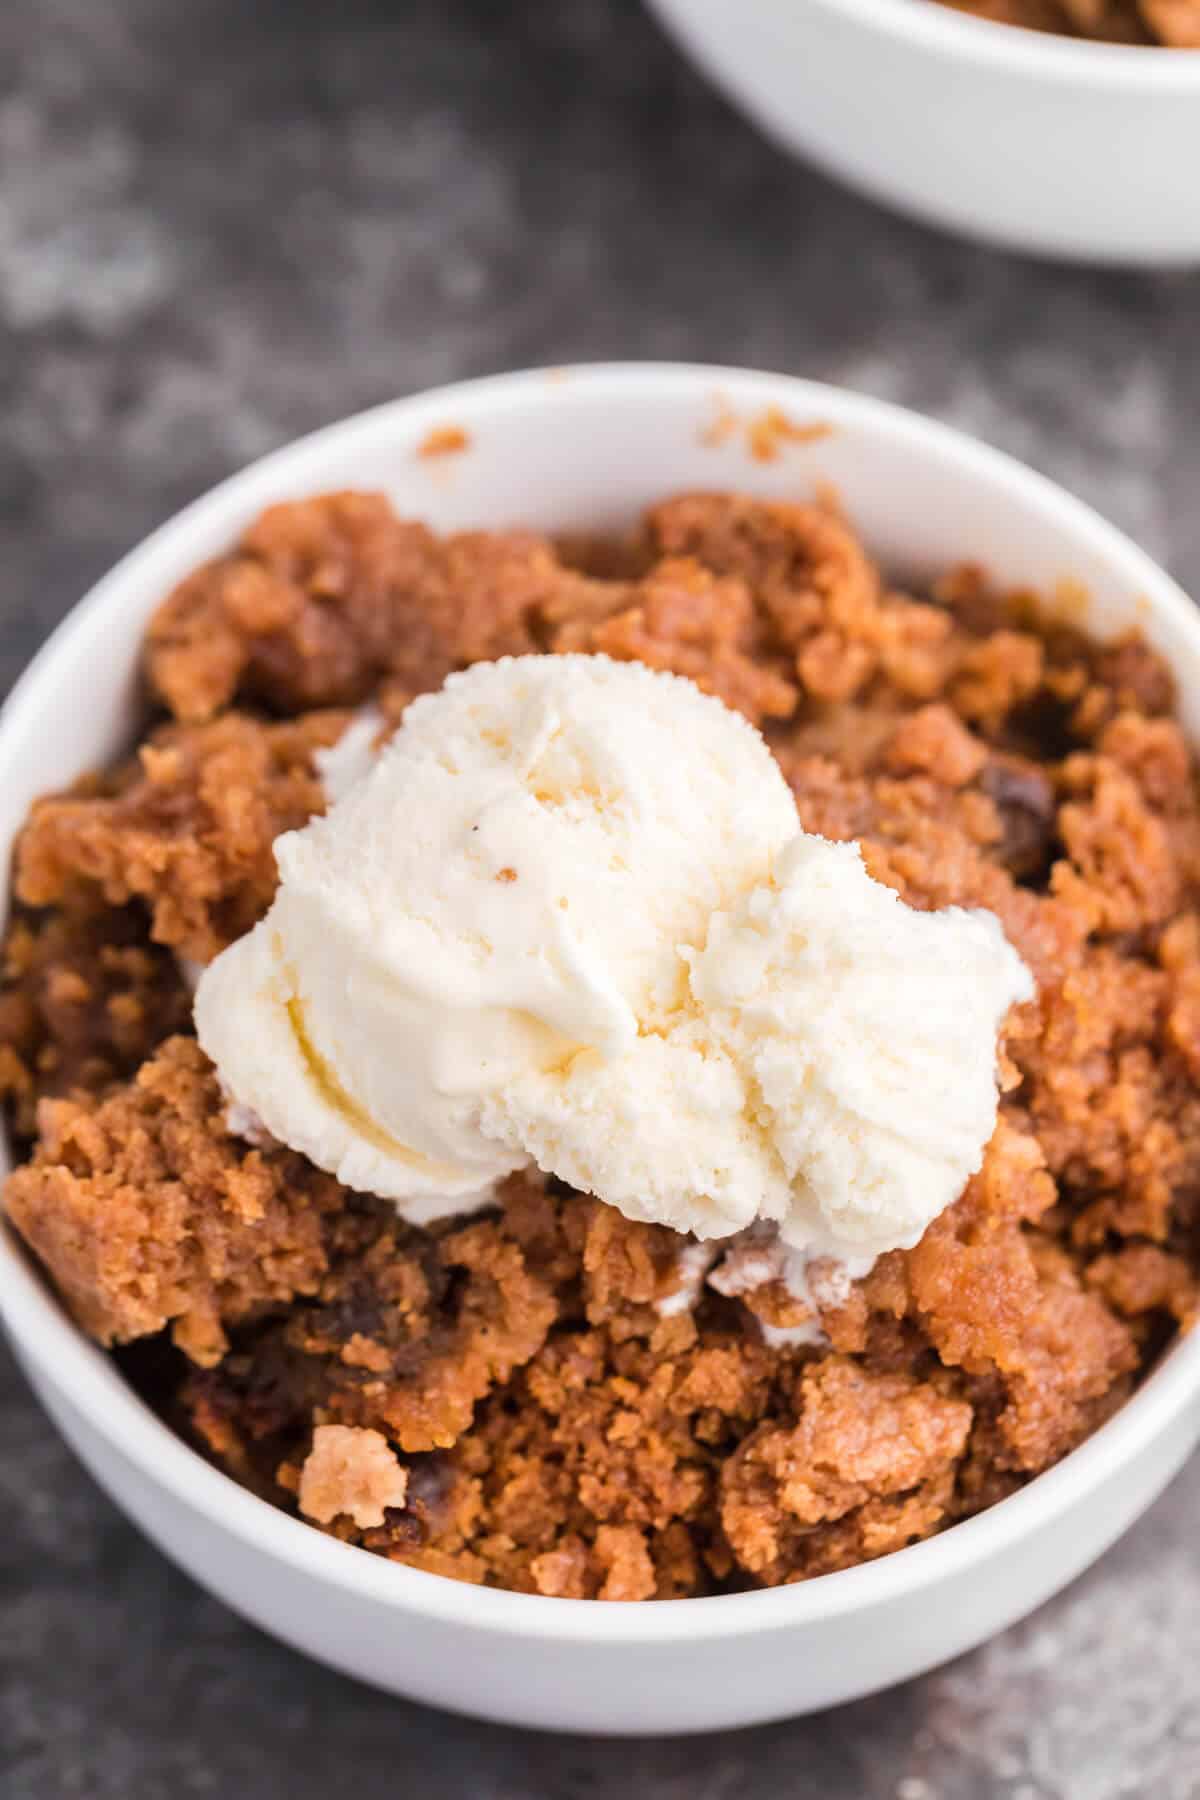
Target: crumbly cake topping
514 1399
1174 24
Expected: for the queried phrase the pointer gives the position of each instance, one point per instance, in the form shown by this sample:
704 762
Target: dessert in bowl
1171 24
822 1476
1036 141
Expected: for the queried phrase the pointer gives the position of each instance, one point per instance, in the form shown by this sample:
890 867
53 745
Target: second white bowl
1079 150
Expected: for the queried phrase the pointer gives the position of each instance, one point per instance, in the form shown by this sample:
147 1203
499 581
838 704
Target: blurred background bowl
1039 143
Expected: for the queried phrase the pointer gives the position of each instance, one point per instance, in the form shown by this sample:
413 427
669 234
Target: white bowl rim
89 1382
1037 55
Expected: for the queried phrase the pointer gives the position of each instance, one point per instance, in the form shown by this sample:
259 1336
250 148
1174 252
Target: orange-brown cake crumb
771 430
444 440
1175 24
351 1470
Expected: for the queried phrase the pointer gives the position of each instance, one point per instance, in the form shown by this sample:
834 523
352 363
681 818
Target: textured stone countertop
224 223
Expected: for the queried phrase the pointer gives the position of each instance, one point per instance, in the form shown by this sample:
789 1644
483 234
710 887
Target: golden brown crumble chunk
303 613
548 1397
500 1319
867 1467
187 828
1173 23
150 1213
686 620
85 998
326 601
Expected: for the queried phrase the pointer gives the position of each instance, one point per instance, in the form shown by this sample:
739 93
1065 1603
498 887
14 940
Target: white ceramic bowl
1079 150
589 447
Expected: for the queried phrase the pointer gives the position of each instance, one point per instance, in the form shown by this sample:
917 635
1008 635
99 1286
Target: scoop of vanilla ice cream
569 918
506 893
865 1033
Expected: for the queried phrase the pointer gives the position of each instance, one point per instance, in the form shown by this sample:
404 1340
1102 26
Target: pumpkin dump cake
872 1014
1173 23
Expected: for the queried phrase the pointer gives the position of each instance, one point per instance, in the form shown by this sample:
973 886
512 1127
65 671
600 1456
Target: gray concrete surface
227 221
